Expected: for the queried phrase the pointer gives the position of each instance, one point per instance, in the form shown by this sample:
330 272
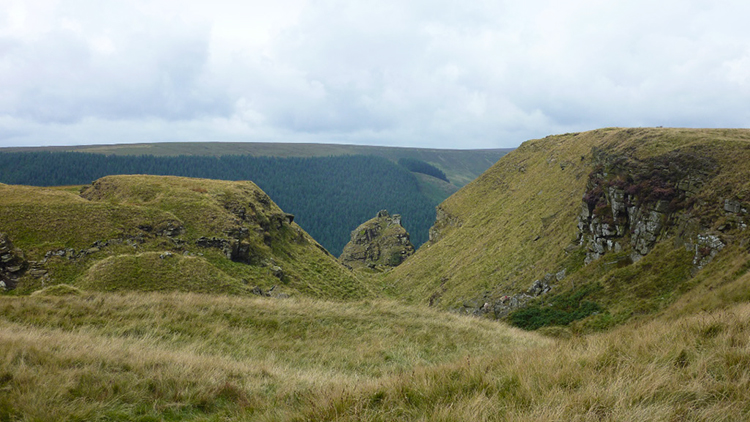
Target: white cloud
440 73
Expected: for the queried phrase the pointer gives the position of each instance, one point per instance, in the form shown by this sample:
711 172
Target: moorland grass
142 356
696 368
675 346
138 356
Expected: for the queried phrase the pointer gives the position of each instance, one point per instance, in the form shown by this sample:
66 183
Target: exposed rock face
12 263
379 242
442 221
633 204
496 307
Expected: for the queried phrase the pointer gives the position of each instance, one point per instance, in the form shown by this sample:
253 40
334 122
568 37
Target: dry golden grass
139 356
696 368
186 356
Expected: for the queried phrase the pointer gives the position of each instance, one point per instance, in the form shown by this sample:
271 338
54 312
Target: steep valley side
587 229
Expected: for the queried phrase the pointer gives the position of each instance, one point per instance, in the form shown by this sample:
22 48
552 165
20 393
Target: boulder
732 206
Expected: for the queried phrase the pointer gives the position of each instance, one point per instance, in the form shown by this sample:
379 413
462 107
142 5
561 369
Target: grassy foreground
68 355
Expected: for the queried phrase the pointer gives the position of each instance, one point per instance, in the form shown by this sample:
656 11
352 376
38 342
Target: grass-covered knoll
155 271
39 219
99 356
154 233
517 223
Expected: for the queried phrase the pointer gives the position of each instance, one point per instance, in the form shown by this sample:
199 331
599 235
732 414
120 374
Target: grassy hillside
628 250
517 224
461 166
155 233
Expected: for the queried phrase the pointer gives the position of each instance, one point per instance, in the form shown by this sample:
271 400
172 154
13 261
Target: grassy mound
58 290
117 227
158 271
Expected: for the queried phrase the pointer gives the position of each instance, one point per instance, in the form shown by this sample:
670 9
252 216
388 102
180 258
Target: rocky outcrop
500 306
443 220
12 263
381 242
236 250
633 204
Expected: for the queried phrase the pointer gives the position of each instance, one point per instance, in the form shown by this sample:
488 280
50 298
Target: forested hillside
460 166
419 166
329 196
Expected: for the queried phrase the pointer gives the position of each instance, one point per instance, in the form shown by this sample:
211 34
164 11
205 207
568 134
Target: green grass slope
154 271
517 223
156 233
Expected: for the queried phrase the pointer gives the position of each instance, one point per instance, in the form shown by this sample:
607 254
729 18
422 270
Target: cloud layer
443 73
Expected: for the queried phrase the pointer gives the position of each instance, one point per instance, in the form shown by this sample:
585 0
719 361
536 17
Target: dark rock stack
379 243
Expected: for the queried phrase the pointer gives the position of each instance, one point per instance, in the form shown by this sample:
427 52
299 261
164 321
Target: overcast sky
422 73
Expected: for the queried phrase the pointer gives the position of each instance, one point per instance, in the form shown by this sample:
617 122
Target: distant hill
460 166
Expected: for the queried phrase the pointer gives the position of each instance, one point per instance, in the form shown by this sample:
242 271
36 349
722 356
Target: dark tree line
419 166
329 196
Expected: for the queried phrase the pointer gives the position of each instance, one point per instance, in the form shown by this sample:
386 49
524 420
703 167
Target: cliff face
381 242
632 204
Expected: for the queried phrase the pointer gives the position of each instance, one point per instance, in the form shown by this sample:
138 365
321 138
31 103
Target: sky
429 74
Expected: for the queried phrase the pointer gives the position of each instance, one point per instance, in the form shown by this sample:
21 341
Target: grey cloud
438 73
150 73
